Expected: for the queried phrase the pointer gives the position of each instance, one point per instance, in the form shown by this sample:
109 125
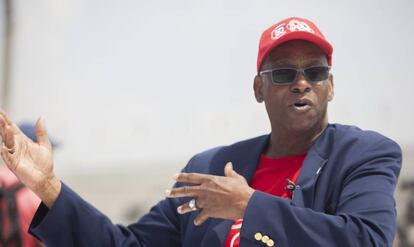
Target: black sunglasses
286 76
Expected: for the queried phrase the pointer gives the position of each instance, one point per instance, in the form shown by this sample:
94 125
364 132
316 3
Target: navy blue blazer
345 199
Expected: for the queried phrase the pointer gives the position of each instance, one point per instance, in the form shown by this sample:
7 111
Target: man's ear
258 89
331 88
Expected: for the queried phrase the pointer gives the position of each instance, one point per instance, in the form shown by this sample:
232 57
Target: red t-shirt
270 177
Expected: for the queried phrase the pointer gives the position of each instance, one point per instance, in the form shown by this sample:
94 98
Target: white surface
128 82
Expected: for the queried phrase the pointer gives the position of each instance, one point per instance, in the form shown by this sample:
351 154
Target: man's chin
304 125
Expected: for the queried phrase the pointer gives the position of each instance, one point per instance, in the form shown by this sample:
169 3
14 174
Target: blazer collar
244 156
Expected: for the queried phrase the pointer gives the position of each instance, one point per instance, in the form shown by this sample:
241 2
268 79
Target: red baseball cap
290 29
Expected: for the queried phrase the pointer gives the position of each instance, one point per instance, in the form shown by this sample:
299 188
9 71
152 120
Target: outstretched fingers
41 133
9 140
5 121
9 147
202 217
193 178
8 157
3 126
183 191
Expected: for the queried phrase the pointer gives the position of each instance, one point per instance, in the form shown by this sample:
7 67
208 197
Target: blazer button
258 236
265 239
270 243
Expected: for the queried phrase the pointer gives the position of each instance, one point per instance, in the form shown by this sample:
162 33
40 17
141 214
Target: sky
129 83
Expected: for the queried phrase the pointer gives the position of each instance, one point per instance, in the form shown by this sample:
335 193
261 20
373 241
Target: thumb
228 170
41 133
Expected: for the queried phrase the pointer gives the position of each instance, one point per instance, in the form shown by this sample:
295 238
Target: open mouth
302 105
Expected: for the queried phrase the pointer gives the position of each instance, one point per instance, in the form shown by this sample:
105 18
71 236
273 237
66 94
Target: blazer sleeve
72 221
365 214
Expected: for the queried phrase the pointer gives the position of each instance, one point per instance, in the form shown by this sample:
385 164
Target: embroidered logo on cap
292 26
278 31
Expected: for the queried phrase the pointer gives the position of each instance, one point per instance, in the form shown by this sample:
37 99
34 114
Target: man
308 183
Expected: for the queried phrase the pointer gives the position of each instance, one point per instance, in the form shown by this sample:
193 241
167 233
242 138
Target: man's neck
285 143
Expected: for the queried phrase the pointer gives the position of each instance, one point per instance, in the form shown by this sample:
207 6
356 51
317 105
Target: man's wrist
49 191
249 195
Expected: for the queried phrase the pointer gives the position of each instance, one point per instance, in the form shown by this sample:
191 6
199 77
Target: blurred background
131 90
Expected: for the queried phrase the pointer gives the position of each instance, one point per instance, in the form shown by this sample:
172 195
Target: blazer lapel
311 170
246 161
244 156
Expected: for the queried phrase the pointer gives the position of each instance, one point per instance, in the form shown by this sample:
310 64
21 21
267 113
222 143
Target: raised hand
215 196
31 162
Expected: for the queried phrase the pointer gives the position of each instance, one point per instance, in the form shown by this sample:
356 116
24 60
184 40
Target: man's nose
300 85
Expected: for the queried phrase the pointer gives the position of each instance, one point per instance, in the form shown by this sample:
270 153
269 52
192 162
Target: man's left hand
223 197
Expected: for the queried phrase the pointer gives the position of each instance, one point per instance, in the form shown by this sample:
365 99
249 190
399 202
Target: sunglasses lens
283 76
316 74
